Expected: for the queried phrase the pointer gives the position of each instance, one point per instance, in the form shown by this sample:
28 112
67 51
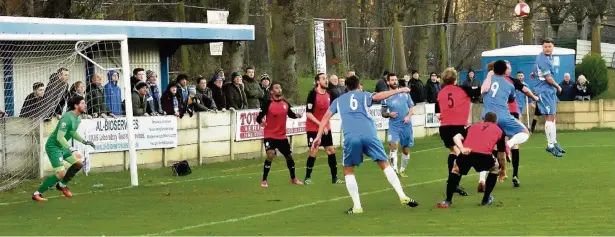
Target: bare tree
596 9
57 9
557 10
234 51
283 19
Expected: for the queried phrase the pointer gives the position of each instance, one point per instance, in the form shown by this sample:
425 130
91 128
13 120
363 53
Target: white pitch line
286 209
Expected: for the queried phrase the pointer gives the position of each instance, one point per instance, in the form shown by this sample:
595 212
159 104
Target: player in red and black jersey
318 102
454 103
476 144
275 111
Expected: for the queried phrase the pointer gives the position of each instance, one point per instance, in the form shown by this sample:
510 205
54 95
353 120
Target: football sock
554 133
451 185
534 121
548 125
266 169
517 139
48 183
491 180
451 162
70 173
482 176
515 161
290 163
393 155
394 181
404 161
353 190
333 165
309 167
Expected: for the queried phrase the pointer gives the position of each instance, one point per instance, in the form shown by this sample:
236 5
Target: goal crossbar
62 37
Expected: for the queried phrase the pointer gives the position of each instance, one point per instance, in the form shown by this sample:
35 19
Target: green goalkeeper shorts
58 154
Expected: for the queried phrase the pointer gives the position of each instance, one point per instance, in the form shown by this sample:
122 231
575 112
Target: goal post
27 59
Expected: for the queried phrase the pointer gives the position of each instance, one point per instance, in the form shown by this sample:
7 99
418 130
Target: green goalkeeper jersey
68 125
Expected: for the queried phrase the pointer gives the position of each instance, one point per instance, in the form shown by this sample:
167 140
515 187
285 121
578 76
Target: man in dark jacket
335 89
254 92
203 100
56 95
432 87
381 85
33 101
265 83
139 102
568 89
95 97
417 91
234 92
137 76
217 92
472 82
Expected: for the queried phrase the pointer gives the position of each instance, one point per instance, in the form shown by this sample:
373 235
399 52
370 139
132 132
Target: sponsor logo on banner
248 129
381 123
112 134
432 120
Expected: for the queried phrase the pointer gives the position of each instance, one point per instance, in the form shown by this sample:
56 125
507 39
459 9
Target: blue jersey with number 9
353 108
496 99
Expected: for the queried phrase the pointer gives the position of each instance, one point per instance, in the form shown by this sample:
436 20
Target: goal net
39 75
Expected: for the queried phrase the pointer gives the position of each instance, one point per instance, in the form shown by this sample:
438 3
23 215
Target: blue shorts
510 125
355 147
404 136
547 103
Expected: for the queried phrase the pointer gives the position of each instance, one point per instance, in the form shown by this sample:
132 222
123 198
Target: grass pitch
570 196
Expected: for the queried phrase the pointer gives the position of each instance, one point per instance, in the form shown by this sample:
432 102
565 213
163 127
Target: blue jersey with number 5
496 99
353 108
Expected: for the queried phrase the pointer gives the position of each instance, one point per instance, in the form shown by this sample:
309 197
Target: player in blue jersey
546 89
398 108
360 137
498 91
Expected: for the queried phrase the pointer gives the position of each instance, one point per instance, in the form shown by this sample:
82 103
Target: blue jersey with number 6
353 108
496 99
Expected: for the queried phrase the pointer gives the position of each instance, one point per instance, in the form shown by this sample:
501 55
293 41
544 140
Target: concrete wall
208 137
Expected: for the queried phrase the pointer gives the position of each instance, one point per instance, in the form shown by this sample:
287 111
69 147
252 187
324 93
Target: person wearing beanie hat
217 92
252 88
265 83
235 94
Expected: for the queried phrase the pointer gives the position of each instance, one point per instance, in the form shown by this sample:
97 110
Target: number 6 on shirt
354 104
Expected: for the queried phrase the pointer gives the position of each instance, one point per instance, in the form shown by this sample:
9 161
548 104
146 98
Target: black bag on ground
181 168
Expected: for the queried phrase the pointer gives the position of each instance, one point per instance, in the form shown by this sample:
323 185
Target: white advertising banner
320 52
432 120
381 123
248 129
216 17
112 134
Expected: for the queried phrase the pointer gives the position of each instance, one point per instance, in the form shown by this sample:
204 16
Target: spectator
351 73
56 95
137 76
334 87
404 81
33 101
78 89
265 83
235 96
154 107
568 89
254 92
432 87
139 101
417 92
472 82
520 97
203 100
113 93
581 89
95 98
219 72
182 89
171 101
217 92
381 85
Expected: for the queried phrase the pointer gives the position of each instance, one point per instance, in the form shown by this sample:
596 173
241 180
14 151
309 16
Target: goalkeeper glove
89 143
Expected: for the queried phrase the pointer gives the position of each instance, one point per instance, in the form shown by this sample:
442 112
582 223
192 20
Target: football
522 9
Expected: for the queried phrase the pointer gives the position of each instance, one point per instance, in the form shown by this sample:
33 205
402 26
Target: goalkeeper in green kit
58 150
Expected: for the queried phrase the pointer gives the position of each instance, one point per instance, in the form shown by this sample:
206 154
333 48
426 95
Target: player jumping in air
499 91
399 108
275 112
475 145
59 150
317 104
360 138
454 105
546 89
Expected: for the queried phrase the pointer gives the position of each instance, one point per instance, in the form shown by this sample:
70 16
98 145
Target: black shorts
537 112
515 114
281 145
448 132
325 141
480 162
